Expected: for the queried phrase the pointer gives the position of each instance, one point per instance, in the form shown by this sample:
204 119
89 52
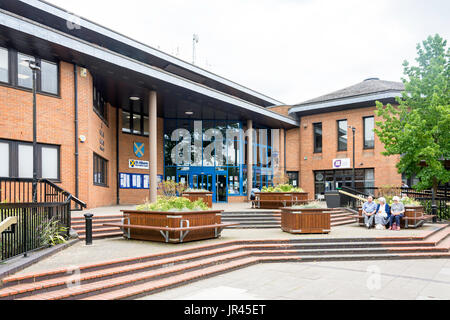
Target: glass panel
49 77
25 161
49 163
369 136
4 159
24 74
342 135
317 137
146 131
126 122
136 123
4 76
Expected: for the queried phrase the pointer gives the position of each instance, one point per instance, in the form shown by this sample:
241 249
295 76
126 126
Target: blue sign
135 180
139 149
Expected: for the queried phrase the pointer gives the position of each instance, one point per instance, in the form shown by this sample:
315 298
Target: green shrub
282 188
174 204
311 205
51 233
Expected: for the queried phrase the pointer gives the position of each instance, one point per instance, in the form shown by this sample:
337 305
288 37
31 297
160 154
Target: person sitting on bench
397 212
382 214
368 210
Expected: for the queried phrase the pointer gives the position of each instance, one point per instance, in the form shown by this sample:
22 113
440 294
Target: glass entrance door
202 181
221 187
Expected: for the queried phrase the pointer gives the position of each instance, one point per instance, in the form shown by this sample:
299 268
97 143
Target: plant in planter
282 188
311 205
192 190
51 233
171 188
173 204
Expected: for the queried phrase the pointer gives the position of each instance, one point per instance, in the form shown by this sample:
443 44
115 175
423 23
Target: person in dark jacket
382 214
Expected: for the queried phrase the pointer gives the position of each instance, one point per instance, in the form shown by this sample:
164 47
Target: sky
290 50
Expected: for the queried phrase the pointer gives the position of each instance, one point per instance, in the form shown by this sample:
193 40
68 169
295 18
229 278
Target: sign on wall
341 163
135 180
138 164
139 149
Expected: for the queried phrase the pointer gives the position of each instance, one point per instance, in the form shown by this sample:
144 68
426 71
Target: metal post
433 205
353 173
34 69
88 219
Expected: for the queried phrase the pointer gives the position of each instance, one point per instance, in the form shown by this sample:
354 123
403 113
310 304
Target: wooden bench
165 230
410 220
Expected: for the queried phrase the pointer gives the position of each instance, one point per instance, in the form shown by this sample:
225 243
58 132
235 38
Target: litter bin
333 199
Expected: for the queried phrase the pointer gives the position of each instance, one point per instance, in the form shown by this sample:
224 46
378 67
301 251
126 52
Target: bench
165 230
412 221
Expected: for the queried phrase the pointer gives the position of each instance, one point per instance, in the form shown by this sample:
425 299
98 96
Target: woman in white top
382 214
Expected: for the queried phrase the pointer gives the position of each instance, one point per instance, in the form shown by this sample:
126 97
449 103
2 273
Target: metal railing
33 218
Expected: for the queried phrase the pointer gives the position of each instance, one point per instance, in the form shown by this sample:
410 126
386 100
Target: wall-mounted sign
139 149
135 180
138 164
341 163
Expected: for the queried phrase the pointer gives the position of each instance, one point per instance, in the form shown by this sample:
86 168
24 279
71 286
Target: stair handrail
8 222
353 196
69 196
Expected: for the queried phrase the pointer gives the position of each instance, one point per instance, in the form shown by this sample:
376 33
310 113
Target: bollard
88 217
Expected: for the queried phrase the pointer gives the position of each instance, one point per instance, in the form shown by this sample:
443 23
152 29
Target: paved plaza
345 280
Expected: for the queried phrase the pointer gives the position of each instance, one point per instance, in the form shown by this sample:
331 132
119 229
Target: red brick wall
385 170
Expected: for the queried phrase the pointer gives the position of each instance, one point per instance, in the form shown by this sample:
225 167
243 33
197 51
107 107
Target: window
369 135
100 170
134 119
4 65
317 137
4 159
100 106
17 160
342 135
24 73
49 77
293 178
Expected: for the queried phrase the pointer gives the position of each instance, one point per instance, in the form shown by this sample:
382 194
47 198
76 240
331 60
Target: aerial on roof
368 86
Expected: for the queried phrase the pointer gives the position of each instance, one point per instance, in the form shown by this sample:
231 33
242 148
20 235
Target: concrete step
103 235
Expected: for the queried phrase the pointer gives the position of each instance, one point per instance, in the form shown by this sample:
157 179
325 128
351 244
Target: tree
418 128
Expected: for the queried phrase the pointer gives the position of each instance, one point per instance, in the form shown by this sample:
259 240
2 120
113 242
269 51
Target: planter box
305 220
275 200
172 220
194 196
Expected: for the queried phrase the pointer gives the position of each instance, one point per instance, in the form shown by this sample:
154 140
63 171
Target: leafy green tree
418 128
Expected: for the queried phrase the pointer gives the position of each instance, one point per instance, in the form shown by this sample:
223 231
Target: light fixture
189 113
135 98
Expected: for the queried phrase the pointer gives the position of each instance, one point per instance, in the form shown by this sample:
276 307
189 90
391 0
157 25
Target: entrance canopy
121 77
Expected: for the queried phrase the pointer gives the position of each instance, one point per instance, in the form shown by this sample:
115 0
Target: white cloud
289 50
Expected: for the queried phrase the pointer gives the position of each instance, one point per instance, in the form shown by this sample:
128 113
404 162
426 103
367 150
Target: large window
20 74
100 171
342 135
17 160
135 119
293 178
336 179
4 65
100 106
317 137
369 135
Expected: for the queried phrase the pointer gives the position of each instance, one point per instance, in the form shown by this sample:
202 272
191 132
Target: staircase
138 277
98 230
272 219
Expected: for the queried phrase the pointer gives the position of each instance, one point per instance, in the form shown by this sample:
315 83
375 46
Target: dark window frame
8 64
100 163
142 114
365 147
14 158
316 149
338 135
13 73
99 103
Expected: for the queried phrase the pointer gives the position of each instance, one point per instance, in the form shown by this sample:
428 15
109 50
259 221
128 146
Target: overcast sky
290 50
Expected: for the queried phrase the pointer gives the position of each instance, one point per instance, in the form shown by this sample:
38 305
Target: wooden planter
172 220
305 220
275 200
194 196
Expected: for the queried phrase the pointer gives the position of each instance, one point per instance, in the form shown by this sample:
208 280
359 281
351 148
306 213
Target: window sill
101 185
41 93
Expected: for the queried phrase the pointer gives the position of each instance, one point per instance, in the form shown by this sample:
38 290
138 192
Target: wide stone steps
134 277
99 231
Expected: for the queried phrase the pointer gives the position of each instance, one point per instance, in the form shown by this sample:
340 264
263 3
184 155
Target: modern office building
108 106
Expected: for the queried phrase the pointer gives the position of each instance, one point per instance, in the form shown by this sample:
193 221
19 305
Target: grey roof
369 86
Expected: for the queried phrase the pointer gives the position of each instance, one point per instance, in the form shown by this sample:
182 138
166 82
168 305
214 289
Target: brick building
108 106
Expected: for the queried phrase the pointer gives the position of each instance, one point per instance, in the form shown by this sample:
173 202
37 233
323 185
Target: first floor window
24 73
16 160
317 137
49 77
100 170
342 135
369 135
4 65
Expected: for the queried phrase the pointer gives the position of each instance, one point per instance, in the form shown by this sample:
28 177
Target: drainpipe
284 149
117 158
76 127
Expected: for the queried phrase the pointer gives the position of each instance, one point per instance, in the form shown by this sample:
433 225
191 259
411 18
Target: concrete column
152 143
249 157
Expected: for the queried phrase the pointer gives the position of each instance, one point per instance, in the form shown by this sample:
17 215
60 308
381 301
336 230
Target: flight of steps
272 219
98 230
137 277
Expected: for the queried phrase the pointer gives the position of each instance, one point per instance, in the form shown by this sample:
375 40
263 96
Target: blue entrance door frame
208 178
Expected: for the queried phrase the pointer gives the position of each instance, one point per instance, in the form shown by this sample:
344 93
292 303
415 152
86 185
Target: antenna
195 40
